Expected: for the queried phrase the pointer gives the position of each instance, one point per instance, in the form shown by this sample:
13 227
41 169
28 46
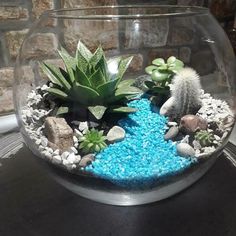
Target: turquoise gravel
143 157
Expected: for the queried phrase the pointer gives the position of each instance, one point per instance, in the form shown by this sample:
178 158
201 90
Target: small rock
83 126
47 154
172 123
196 144
185 150
71 158
56 159
86 160
56 152
76 145
224 135
185 139
217 138
116 133
191 123
59 132
44 141
72 150
75 139
78 133
228 121
64 155
168 107
38 141
209 150
171 133
201 155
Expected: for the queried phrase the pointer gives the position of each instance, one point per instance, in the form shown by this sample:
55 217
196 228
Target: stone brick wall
17 16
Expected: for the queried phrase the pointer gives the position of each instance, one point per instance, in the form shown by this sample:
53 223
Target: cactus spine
185 94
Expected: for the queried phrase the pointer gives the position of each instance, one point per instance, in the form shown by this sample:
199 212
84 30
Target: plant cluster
204 137
92 141
162 73
87 82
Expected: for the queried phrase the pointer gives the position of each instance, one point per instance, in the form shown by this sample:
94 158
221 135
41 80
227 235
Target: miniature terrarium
126 105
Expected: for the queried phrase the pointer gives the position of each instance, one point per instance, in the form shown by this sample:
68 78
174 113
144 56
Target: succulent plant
185 94
89 82
162 73
204 137
92 141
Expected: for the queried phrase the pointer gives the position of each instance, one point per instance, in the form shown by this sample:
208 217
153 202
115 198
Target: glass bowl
126 105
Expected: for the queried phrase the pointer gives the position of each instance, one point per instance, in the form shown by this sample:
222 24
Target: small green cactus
204 137
92 141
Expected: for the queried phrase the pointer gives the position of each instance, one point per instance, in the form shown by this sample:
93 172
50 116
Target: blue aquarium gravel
143 157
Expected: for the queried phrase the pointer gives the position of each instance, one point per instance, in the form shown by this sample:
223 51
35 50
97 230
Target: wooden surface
31 203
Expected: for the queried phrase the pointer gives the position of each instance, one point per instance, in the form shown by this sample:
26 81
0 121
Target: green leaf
176 69
97 79
83 94
96 57
123 109
62 110
158 62
160 90
83 51
157 76
56 75
47 71
81 77
150 69
108 89
69 61
162 68
149 84
126 82
97 111
123 65
171 60
57 93
127 91
177 64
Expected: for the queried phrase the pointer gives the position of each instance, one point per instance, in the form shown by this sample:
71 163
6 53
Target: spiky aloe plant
204 137
162 73
92 141
88 81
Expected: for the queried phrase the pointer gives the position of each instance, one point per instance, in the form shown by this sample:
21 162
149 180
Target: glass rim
184 11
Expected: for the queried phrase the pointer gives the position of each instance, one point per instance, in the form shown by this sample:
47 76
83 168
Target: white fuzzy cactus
185 94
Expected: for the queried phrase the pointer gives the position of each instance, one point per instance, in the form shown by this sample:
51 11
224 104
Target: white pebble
185 150
65 154
56 159
172 123
83 126
78 133
76 145
44 141
75 139
71 158
38 141
72 150
56 152
77 159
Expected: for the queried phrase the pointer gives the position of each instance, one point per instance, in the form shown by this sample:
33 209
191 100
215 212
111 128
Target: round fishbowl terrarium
126 105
